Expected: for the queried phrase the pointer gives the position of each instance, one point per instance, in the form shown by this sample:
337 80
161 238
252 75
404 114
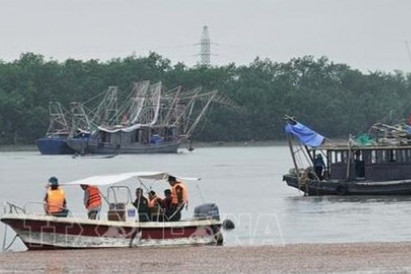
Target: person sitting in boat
55 199
141 203
179 198
154 206
166 205
319 166
92 201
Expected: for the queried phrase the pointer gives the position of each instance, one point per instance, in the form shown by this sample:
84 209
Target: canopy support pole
294 161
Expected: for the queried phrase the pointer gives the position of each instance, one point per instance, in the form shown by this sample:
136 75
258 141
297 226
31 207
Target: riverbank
300 258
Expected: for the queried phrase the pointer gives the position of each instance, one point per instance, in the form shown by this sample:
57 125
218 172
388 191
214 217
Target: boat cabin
141 135
374 163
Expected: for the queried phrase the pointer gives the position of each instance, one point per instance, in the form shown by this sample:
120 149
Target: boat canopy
121 177
304 134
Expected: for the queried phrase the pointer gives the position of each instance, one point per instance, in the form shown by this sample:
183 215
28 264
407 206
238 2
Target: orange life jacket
94 198
55 200
179 194
154 205
154 202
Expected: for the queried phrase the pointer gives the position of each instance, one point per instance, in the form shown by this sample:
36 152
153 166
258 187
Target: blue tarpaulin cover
304 134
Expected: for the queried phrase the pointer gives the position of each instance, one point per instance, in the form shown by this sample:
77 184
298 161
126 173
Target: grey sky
365 34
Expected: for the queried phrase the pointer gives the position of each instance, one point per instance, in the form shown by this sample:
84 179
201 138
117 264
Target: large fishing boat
150 120
374 164
120 227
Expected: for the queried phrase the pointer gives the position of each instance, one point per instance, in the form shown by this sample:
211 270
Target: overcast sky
365 34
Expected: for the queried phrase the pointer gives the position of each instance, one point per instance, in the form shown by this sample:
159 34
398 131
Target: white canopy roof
121 177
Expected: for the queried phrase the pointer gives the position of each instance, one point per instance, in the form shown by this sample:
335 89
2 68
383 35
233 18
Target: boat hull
137 148
53 146
45 232
335 187
79 145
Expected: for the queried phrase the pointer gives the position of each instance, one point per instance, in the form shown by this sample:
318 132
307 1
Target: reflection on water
245 182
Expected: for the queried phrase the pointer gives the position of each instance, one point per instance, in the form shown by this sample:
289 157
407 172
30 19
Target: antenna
205 48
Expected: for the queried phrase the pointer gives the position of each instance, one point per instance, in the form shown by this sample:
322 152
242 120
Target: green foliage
333 99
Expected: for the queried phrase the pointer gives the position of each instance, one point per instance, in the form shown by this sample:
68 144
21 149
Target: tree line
333 99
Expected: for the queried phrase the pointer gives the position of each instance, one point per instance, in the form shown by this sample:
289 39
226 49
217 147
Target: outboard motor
207 211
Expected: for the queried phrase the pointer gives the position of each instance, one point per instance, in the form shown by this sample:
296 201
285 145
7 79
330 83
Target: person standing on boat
55 199
154 205
167 209
179 197
141 203
319 166
92 200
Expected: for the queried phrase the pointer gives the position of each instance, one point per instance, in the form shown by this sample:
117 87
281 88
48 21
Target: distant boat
151 120
380 166
55 140
135 141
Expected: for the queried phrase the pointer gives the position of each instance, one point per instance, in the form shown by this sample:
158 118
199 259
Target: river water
245 182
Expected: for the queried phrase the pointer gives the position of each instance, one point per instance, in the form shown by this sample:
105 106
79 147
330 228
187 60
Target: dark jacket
142 208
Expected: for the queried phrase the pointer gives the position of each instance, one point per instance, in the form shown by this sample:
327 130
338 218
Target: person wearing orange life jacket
92 200
55 199
179 197
154 206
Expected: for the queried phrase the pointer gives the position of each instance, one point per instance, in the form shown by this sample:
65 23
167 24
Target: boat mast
80 120
107 109
172 107
182 115
197 120
290 145
349 159
58 123
140 91
290 120
156 102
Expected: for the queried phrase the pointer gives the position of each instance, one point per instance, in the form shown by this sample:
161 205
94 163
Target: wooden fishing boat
380 166
121 227
151 120
133 140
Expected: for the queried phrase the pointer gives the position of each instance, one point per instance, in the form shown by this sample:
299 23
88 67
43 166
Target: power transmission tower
205 48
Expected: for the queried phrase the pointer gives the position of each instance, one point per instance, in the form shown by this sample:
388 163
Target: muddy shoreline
299 258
